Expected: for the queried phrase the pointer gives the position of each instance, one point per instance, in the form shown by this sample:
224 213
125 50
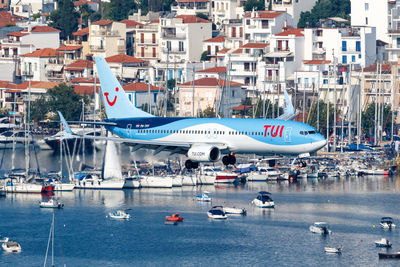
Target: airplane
201 139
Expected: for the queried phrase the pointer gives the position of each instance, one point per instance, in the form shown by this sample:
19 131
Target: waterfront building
147 40
192 7
292 7
213 45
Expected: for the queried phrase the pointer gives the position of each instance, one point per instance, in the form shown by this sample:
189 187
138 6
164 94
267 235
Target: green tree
256 4
119 9
39 108
86 13
204 56
65 18
368 120
171 84
208 112
324 9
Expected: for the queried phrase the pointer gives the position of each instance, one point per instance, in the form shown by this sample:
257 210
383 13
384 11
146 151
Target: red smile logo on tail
111 103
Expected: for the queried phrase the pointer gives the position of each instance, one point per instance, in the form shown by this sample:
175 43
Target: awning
278 54
54 67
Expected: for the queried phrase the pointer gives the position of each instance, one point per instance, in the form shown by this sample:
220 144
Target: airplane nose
320 141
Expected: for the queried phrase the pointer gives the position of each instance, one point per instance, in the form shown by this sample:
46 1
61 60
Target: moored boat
11 247
383 243
387 223
320 228
395 255
174 218
204 197
264 200
233 210
119 214
216 212
51 203
333 250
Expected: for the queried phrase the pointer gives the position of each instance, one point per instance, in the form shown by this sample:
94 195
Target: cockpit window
307 132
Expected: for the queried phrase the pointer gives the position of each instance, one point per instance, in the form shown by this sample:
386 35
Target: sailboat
110 177
51 236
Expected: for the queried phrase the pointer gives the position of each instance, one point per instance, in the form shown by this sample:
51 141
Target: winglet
288 108
66 127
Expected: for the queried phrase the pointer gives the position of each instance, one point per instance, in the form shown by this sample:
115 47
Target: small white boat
119 214
383 243
132 181
387 223
320 228
204 197
11 247
216 212
234 210
333 250
51 203
3 239
264 200
155 181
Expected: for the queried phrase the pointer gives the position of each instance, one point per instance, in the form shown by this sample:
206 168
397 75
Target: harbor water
264 237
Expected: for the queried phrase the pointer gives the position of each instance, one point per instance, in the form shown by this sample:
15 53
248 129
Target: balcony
97 48
146 41
11 100
168 35
27 73
106 33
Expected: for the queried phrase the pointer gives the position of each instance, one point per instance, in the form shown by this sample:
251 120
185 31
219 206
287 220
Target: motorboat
174 218
204 197
264 200
3 239
387 223
216 212
11 247
225 177
51 203
6 125
395 255
92 180
233 210
119 214
333 250
383 243
320 228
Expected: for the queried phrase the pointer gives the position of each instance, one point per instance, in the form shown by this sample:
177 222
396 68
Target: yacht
18 137
92 180
6 125
233 210
383 243
333 250
216 212
204 197
206 176
156 181
264 200
320 228
51 203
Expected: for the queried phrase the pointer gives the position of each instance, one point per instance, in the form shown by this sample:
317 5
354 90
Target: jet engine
204 153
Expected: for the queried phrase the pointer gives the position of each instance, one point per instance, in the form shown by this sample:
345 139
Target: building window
366 20
344 46
306 82
353 58
142 37
153 36
344 59
325 81
181 47
247 22
358 46
142 52
233 31
169 45
154 52
241 32
264 24
366 6
247 36
247 66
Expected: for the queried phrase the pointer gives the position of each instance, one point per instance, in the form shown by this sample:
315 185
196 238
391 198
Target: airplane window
301 132
312 132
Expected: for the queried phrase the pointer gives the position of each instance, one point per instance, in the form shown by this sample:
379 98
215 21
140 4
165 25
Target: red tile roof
6 18
121 58
17 34
192 19
316 62
242 107
209 82
131 23
372 68
255 45
82 2
213 70
83 89
45 52
263 14
44 29
83 32
223 51
238 51
84 80
296 32
217 39
25 85
69 48
141 87
102 22
80 64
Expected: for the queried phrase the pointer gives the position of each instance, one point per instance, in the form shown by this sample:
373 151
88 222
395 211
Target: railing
146 41
173 36
97 48
146 55
13 100
27 73
106 33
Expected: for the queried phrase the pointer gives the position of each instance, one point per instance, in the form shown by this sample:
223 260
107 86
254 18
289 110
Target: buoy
373 226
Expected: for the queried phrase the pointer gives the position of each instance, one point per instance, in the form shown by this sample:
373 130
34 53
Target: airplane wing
289 111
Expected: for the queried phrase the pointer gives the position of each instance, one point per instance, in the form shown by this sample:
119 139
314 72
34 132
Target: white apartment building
191 7
374 14
292 7
147 40
234 33
33 65
355 45
224 10
214 45
259 26
182 37
26 8
127 68
107 38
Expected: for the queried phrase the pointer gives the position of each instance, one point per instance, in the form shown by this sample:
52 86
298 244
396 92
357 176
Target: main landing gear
229 160
191 164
